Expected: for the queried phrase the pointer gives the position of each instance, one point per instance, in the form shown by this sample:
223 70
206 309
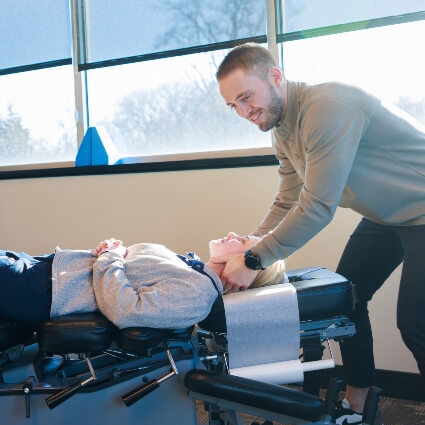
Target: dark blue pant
25 287
372 253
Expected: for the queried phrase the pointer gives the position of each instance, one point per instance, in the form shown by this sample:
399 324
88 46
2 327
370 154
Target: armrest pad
274 398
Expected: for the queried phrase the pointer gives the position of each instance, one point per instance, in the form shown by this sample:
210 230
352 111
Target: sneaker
346 416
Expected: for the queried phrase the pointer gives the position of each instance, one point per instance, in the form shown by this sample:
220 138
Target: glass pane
301 15
34 31
37 117
386 61
168 106
118 28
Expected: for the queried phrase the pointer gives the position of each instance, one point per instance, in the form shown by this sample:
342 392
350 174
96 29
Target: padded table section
139 340
14 333
76 333
321 294
274 398
92 332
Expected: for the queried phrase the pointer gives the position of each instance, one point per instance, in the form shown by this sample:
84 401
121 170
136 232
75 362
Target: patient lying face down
143 285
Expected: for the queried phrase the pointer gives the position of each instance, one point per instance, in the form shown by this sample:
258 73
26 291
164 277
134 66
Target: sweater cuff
267 255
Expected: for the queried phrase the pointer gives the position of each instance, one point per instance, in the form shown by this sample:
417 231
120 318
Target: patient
144 285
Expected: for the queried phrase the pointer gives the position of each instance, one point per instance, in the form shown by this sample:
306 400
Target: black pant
372 253
25 287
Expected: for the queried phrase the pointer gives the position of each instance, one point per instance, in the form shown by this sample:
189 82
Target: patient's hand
113 245
235 275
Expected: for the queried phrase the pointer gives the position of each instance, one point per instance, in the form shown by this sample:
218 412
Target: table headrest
321 294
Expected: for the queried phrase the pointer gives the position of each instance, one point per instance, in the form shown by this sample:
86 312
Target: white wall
182 210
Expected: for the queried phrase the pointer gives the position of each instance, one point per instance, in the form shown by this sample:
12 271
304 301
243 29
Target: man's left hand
235 276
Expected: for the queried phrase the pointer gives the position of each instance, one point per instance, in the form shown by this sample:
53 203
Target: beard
273 111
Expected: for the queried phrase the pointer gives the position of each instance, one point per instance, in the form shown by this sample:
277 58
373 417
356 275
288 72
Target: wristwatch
252 261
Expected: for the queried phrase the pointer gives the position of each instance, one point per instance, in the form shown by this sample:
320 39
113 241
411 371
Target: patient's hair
248 57
272 275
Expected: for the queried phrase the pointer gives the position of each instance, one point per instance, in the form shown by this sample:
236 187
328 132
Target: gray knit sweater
151 287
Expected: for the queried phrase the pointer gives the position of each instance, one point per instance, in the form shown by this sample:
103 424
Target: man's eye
246 98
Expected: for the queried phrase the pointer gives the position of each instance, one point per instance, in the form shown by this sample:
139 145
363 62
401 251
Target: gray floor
394 412
402 412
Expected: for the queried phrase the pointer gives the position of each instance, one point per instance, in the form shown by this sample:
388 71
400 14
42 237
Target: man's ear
275 76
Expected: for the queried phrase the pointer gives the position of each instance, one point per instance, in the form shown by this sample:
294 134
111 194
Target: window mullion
80 78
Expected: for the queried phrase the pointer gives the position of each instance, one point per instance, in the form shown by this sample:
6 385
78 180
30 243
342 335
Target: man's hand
113 245
235 276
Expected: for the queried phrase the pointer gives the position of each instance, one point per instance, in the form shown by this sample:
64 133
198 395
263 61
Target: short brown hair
249 57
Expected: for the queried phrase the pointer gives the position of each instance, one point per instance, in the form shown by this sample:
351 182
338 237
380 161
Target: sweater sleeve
331 132
114 294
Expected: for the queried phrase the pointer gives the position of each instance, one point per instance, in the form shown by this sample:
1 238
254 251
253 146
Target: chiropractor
337 146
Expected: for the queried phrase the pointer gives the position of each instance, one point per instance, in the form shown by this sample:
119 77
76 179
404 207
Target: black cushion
139 340
92 332
76 333
273 398
321 294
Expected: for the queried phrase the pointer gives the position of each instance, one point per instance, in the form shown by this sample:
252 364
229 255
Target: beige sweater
339 146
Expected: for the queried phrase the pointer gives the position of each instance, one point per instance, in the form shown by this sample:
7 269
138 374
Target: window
149 68
168 106
385 61
37 122
36 83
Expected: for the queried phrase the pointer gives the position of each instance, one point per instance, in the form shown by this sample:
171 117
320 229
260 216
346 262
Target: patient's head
234 244
231 244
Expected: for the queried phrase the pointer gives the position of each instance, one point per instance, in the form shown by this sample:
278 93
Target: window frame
173 162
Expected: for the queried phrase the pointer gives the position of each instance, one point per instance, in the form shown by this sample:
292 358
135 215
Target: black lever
371 405
135 395
138 393
59 397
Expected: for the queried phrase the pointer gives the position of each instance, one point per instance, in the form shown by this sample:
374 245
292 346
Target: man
338 146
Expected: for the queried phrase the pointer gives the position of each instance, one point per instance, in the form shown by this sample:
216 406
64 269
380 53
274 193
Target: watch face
252 261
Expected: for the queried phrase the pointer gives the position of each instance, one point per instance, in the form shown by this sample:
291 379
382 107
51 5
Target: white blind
33 32
117 29
301 15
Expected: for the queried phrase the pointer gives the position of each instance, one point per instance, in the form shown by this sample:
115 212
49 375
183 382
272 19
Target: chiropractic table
81 369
